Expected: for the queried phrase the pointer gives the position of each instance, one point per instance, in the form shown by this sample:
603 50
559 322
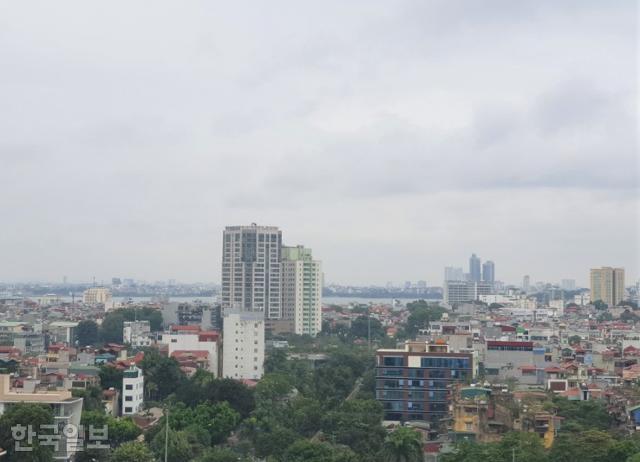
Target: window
128 409
128 398
393 361
128 387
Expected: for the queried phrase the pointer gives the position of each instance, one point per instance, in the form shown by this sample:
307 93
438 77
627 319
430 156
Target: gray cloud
392 137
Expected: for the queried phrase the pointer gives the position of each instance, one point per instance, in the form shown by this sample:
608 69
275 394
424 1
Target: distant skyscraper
474 268
252 270
488 271
302 290
526 283
607 284
452 273
568 284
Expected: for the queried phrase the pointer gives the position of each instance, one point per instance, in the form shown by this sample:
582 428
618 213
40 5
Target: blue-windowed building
414 383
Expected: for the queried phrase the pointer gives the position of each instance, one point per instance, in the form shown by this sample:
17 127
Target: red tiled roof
208 335
177 328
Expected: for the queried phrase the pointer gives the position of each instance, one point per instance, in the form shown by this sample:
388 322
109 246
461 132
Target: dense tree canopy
403 445
87 333
113 322
422 313
26 414
132 452
162 375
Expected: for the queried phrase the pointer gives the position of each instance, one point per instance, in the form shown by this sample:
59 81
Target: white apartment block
465 291
132 391
191 338
302 290
251 270
137 333
243 345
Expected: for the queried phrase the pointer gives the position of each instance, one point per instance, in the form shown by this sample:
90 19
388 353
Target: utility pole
166 437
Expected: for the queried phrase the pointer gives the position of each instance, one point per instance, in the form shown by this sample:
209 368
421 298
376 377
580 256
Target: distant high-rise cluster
488 271
478 271
259 274
474 268
607 284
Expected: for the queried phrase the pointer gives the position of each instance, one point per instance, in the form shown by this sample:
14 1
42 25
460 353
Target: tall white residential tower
302 290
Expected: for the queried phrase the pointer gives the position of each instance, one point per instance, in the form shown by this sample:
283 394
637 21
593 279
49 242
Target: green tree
273 387
203 386
111 327
26 414
110 377
87 333
526 446
421 315
178 448
357 424
600 305
403 445
309 451
582 415
218 455
91 398
121 429
360 328
163 372
132 452
113 322
218 419
276 362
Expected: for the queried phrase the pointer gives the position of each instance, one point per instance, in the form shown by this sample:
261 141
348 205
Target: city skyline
392 138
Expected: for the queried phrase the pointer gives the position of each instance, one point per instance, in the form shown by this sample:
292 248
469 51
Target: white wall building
243 345
465 291
63 332
132 391
302 290
191 338
137 333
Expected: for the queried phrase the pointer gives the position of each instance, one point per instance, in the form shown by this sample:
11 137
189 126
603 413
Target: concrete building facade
132 391
302 290
413 383
243 345
607 284
251 269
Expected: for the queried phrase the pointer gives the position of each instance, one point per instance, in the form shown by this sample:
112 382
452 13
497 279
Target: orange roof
177 328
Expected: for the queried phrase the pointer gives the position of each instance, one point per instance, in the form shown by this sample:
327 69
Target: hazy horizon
392 138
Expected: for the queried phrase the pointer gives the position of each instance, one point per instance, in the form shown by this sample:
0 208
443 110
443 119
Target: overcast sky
391 137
